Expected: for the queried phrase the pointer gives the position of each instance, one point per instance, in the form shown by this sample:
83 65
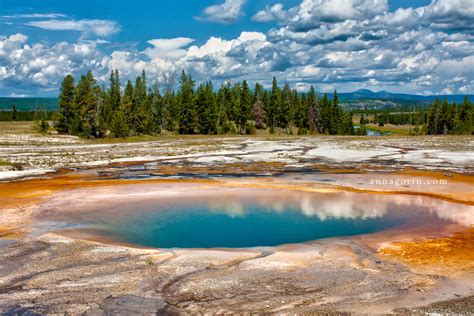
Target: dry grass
21 127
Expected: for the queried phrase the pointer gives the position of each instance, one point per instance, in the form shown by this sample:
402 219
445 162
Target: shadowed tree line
91 111
35 115
445 118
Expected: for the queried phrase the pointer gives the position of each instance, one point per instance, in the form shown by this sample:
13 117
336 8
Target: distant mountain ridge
364 94
361 97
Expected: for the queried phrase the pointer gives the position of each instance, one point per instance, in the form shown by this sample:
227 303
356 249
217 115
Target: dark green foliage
441 118
111 99
188 123
91 111
311 120
155 102
464 119
433 118
14 113
86 107
66 105
168 111
286 108
399 118
119 126
250 129
258 113
206 109
43 126
273 107
302 131
245 106
450 119
362 130
345 125
41 122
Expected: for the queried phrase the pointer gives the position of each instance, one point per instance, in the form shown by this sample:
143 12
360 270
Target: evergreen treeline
91 111
441 118
15 115
406 118
445 118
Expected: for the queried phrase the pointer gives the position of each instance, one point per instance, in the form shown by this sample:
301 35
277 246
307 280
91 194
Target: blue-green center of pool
188 225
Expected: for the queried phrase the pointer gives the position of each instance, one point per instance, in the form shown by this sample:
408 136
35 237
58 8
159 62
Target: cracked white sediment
43 155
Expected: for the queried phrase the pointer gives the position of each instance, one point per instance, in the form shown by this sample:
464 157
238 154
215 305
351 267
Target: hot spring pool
200 226
244 218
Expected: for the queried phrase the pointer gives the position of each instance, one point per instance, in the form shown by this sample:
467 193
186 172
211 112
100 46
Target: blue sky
417 46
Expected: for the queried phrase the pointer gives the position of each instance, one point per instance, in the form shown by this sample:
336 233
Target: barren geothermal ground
236 225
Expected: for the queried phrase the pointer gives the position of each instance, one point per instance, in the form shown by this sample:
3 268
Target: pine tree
211 113
44 126
304 108
313 98
338 125
234 103
326 114
296 114
227 107
103 116
189 120
311 123
464 120
145 112
245 106
273 105
443 123
111 99
126 108
433 118
14 113
206 109
119 126
286 108
129 90
67 106
258 107
86 103
114 90
89 110
451 117
168 110
222 117
155 102
346 125
138 100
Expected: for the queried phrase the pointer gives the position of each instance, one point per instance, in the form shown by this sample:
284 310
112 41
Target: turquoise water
201 225
371 132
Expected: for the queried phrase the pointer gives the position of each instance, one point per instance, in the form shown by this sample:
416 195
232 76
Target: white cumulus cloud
87 27
347 45
227 12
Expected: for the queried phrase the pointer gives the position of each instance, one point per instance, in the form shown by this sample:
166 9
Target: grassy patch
20 127
15 165
394 129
